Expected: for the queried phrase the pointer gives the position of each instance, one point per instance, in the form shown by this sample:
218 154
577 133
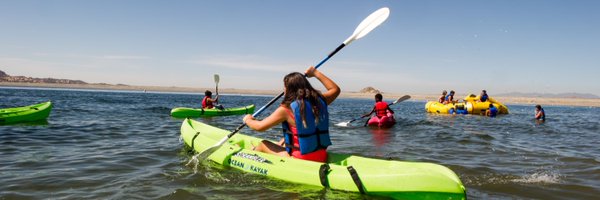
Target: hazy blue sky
424 47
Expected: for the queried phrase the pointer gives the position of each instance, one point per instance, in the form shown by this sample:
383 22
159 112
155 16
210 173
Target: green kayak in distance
390 178
199 112
30 113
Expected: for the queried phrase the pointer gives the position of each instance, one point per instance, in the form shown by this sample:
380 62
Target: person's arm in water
389 109
277 117
333 90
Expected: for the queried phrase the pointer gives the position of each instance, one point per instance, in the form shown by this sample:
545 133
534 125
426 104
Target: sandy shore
414 97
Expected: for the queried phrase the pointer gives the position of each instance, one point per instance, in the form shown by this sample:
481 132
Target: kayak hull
182 112
397 179
383 122
30 113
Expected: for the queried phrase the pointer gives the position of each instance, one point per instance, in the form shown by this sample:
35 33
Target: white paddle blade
343 124
203 155
401 99
368 24
217 78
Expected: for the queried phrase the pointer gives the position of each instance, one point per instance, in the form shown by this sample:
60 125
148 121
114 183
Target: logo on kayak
249 167
254 157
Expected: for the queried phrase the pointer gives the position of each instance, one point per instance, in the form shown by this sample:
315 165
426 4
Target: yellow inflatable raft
471 105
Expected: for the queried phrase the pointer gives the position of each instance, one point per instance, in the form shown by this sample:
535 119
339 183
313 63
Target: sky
424 47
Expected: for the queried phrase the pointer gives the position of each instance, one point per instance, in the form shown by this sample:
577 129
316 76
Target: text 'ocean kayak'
199 112
397 179
30 113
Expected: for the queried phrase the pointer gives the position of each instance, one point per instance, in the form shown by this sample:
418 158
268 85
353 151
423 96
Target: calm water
123 145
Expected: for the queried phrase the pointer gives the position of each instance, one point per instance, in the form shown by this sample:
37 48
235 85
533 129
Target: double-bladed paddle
401 99
367 25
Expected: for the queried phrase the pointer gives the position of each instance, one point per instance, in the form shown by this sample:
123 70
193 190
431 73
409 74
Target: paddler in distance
208 102
381 108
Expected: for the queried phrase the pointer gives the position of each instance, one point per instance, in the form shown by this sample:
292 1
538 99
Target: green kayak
391 178
30 113
199 112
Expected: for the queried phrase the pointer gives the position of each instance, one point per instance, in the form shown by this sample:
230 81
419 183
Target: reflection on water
123 145
380 136
33 123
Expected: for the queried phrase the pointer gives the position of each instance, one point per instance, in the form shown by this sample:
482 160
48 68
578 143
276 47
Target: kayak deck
182 112
397 179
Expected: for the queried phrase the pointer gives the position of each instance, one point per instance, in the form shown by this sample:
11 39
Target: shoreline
544 101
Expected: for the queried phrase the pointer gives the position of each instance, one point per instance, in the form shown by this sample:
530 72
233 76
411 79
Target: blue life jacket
313 137
483 98
543 117
493 111
448 97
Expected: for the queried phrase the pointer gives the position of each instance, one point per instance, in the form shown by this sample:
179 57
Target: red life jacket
207 104
381 109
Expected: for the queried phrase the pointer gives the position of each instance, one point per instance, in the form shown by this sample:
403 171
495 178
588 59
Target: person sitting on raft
449 98
208 102
483 97
539 113
443 97
492 111
381 108
304 118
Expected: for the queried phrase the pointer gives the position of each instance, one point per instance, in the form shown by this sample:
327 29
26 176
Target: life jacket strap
288 141
318 132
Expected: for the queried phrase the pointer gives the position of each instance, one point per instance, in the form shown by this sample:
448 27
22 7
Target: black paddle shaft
255 114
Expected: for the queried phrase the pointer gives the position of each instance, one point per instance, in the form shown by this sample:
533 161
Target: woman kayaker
304 117
208 102
381 108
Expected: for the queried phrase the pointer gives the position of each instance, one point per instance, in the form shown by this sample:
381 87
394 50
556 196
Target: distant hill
551 95
370 90
23 79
